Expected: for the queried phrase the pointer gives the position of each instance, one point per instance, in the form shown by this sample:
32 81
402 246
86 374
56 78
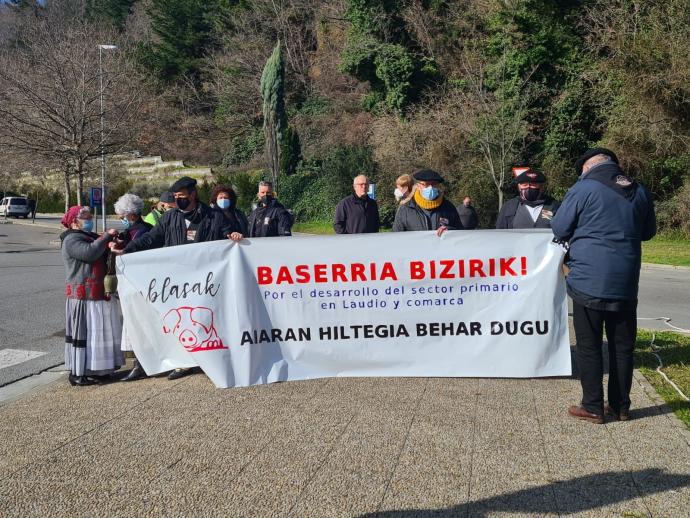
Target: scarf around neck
427 204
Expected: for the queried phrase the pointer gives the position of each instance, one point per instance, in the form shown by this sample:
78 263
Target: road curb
652 394
29 223
31 384
654 266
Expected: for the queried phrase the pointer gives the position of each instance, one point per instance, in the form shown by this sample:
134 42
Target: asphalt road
32 298
32 326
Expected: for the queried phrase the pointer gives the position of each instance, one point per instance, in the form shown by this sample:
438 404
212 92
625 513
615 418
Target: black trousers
621 332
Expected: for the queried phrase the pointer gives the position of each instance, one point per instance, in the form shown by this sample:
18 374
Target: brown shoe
579 412
623 415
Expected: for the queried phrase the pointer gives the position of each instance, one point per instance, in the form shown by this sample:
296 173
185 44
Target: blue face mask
430 193
87 225
223 203
126 223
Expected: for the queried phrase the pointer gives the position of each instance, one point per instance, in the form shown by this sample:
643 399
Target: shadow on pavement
577 495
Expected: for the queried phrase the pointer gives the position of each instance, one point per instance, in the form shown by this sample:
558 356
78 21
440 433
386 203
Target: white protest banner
470 303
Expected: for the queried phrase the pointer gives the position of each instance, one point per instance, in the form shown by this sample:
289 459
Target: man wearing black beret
428 209
533 208
604 217
192 222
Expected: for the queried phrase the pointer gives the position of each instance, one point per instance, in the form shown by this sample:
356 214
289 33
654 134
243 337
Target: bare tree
493 117
50 95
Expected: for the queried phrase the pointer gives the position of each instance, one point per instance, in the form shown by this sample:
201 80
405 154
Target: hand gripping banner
469 304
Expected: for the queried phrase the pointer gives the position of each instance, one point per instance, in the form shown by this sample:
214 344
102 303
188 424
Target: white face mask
398 194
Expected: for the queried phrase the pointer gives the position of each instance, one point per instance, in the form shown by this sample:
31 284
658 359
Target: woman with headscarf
128 207
404 188
223 198
93 321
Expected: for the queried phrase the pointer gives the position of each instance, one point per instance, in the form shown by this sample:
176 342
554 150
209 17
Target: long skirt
93 333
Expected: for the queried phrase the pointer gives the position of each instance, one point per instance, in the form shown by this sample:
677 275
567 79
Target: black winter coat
270 221
172 230
235 220
510 208
412 217
356 216
468 217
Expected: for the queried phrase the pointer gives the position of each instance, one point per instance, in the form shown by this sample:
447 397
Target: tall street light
101 48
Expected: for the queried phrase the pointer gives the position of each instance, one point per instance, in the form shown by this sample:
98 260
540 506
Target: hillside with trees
382 87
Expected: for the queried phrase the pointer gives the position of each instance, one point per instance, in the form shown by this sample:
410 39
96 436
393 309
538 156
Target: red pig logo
193 328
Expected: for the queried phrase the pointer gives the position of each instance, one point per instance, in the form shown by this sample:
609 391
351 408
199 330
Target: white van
14 206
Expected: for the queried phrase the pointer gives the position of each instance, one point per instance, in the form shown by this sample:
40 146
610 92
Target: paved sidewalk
337 447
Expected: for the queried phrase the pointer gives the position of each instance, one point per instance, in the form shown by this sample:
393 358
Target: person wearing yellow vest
167 202
428 209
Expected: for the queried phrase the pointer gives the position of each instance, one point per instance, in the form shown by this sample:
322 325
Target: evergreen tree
282 142
184 32
115 11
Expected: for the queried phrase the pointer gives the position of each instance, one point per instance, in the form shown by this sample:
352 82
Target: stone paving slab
338 447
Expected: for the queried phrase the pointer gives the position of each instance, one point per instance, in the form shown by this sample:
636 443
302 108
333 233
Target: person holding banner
92 320
428 209
224 199
269 218
604 217
128 207
533 208
357 213
192 222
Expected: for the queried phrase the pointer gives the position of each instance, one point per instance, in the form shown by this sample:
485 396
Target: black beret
167 197
530 175
183 183
427 175
593 152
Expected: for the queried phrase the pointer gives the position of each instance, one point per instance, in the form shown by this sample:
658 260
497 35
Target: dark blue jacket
604 217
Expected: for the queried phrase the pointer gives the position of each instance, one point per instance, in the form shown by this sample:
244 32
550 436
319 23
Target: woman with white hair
128 208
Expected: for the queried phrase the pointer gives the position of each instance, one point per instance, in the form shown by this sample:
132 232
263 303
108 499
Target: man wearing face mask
166 203
269 218
357 213
192 222
533 208
428 209
468 214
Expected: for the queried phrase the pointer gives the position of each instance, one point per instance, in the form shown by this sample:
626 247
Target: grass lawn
314 227
667 249
674 350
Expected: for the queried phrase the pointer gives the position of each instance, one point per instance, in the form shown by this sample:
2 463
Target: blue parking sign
95 196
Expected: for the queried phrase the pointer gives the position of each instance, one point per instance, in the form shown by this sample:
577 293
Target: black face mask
265 200
183 203
530 194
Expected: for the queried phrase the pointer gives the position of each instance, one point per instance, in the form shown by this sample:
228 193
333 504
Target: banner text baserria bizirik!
471 303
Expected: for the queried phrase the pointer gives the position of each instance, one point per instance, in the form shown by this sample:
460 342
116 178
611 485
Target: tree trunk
68 189
80 182
500 198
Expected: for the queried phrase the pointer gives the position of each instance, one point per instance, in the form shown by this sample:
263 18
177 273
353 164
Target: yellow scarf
427 204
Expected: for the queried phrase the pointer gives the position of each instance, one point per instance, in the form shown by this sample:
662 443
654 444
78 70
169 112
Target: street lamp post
101 48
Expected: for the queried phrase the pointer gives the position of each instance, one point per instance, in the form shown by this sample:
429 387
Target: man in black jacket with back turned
357 213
